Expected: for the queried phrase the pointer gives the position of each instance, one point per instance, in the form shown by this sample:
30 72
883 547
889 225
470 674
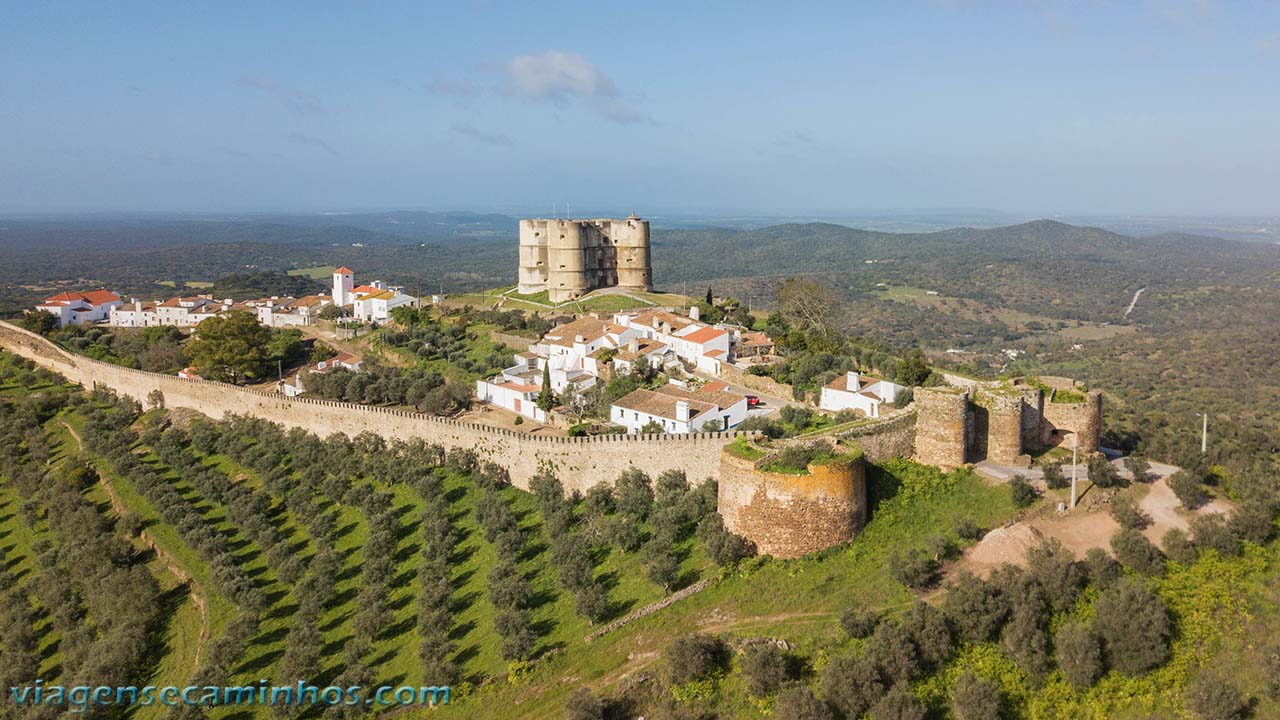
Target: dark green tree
230 347
913 369
546 396
1133 623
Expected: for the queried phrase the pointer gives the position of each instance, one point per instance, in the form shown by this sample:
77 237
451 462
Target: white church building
368 303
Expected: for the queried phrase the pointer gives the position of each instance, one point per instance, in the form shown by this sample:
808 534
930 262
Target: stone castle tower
569 258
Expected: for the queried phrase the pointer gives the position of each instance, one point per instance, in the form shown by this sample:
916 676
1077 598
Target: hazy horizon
1025 109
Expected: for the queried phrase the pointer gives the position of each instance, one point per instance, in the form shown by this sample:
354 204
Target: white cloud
561 78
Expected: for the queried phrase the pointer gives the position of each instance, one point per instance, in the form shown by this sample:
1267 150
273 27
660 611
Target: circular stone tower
786 513
567 277
533 256
631 238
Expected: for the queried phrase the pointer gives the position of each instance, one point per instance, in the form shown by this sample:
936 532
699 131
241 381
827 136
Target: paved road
1005 472
768 403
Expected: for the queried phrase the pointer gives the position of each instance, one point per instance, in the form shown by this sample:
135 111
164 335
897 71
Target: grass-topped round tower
793 500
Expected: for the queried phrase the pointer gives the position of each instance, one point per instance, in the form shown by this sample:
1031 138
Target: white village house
701 345
852 391
79 308
677 409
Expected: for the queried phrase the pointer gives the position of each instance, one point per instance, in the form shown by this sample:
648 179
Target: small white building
679 410
341 361
654 352
288 311
852 391
691 340
79 308
518 396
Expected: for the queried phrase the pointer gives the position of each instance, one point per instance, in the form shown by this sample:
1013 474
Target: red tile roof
100 296
703 335
343 270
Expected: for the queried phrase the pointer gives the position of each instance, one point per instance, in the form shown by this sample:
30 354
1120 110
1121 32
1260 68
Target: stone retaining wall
579 462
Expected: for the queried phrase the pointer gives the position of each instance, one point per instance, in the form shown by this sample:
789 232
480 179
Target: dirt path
1079 530
1134 302
170 563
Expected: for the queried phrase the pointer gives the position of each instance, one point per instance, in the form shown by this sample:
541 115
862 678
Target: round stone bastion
789 512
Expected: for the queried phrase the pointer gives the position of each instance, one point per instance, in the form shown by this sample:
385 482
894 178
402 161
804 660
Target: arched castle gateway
785 514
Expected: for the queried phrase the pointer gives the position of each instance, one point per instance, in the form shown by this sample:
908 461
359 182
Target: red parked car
753 400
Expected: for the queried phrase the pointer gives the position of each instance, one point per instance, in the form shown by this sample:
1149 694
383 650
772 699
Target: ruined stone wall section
941 426
759 383
788 515
880 441
1084 419
579 462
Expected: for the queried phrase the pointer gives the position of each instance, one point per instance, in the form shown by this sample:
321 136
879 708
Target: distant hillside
1042 267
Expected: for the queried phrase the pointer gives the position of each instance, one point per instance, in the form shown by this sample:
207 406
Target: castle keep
569 258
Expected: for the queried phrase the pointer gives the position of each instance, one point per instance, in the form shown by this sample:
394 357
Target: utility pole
1074 455
1204 433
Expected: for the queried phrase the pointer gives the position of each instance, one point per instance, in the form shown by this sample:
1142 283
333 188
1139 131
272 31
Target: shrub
851 684
974 698
1252 523
974 608
1102 473
1271 669
1025 639
764 666
582 705
1188 488
1124 510
797 702
1053 567
892 653
899 704
967 529
1079 654
1022 492
1133 623
1211 533
1137 467
1053 477
913 568
1136 552
694 657
928 630
1178 546
1209 697
1100 569
858 621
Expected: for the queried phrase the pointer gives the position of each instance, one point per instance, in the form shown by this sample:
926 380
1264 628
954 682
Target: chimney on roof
655 321
579 339
854 380
633 345
682 411
695 312
666 328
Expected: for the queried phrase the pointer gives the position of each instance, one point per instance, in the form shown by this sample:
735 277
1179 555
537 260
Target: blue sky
1167 106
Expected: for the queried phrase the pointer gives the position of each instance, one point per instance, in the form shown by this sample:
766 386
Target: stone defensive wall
1084 419
788 515
893 437
580 462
